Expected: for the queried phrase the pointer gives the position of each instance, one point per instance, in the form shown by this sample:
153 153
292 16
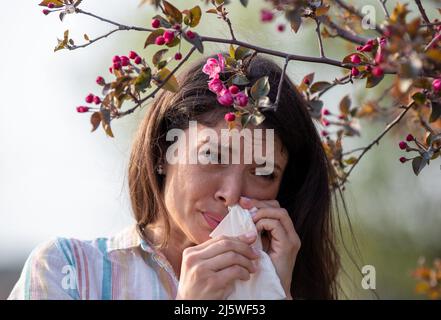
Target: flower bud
100 80
402 145
168 36
138 60
132 55
156 23
377 71
82 109
160 40
281 27
403 159
96 100
436 85
116 59
89 98
234 89
190 34
125 61
51 5
409 138
355 72
266 15
355 58
230 117
46 12
178 56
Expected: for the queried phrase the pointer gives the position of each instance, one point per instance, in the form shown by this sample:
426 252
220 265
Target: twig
383 4
344 33
152 95
352 151
435 39
422 11
377 140
74 47
279 89
227 20
344 79
319 36
120 26
354 11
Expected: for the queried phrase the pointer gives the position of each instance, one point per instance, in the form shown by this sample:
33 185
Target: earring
160 170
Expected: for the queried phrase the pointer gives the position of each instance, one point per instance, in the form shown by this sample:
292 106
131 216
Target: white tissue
263 284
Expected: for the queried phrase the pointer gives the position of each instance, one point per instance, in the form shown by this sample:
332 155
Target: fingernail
253 211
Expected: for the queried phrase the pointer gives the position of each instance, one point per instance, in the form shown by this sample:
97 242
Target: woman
169 255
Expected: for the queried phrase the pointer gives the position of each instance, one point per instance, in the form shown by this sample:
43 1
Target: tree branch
422 11
354 11
383 5
120 26
377 140
319 36
349 36
152 95
279 89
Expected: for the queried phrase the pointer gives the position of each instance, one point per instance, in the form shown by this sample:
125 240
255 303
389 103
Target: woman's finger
279 214
247 203
231 258
229 244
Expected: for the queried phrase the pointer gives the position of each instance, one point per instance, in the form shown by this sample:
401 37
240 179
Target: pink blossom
212 68
216 85
225 98
241 99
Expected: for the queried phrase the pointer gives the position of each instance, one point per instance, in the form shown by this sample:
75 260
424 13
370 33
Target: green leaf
320 11
152 37
232 51
194 16
157 57
351 160
418 164
261 88
245 119
319 86
143 80
241 53
172 84
240 80
345 104
173 14
419 98
244 2
436 111
257 118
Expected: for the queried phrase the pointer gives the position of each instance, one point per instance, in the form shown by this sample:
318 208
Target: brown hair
304 191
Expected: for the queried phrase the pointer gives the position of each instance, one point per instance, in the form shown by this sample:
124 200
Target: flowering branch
377 140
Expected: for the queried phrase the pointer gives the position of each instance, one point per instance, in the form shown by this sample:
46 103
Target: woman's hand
283 243
209 270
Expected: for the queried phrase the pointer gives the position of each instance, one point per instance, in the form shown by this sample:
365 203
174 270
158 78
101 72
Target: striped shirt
121 267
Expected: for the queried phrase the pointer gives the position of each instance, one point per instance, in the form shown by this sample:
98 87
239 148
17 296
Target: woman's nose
230 186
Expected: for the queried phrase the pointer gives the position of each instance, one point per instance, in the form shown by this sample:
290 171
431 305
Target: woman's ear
161 170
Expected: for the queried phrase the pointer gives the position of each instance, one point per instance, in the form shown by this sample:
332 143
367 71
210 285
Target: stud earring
160 170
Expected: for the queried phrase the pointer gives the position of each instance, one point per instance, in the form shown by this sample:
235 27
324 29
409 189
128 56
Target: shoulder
69 268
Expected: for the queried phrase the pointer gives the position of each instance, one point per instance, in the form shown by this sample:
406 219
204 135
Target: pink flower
436 85
212 68
225 98
215 85
241 99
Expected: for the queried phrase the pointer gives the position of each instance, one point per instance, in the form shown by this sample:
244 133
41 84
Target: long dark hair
304 191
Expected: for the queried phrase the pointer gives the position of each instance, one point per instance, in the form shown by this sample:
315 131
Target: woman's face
195 193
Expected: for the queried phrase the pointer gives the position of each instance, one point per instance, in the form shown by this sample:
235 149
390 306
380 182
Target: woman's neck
176 245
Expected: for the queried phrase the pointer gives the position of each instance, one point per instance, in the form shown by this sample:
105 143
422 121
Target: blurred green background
58 179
